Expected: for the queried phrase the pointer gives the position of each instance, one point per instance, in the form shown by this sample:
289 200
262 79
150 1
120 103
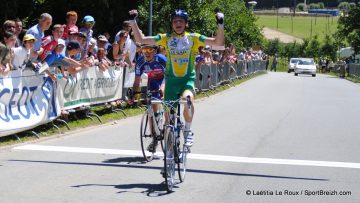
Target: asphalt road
275 138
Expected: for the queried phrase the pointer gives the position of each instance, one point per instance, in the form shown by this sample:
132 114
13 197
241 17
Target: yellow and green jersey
180 51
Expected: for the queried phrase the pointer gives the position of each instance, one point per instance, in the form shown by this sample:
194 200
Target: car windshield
294 60
306 62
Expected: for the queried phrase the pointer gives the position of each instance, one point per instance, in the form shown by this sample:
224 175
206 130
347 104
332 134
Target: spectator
21 57
208 60
130 45
56 58
102 42
70 26
242 55
72 50
225 55
92 50
119 53
50 42
18 30
200 57
216 57
102 62
88 23
37 31
108 45
161 50
274 63
6 44
9 26
266 59
139 52
79 38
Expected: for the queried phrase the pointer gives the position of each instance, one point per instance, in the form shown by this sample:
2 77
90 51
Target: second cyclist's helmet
179 13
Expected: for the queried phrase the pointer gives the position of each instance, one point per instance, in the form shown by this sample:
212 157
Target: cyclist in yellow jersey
181 48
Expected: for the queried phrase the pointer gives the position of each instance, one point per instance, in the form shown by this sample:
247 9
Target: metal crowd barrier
210 77
354 70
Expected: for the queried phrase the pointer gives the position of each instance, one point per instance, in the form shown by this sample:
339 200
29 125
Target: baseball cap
102 38
28 37
89 19
61 42
81 34
72 44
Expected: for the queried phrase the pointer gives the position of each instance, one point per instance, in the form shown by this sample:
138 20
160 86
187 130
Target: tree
240 27
313 49
292 50
349 26
273 47
301 7
328 49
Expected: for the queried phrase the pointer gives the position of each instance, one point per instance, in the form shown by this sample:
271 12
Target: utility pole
150 17
277 14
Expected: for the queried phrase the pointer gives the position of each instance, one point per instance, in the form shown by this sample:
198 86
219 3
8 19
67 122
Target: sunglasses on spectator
147 49
89 23
10 26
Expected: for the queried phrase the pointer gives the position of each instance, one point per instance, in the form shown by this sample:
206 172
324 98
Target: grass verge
300 26
106 115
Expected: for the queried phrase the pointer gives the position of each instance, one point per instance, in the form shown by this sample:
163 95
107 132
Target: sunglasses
147 49
89 23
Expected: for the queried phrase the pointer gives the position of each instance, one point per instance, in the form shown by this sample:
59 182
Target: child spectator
50 42
88 23
70 26
56 58
22 53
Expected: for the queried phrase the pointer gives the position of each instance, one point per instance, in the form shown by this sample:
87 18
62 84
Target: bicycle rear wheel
182 152
169 162
146 137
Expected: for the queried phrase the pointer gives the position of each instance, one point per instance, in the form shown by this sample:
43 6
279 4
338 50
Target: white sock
187 126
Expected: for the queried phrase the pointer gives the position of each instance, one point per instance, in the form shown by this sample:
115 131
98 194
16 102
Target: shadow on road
151 190
128 160
200 171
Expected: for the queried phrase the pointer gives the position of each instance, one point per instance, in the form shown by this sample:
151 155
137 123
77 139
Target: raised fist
133 14
220 18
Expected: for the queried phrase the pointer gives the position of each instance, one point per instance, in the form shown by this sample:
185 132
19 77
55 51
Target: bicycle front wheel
169 162
182 152
146 137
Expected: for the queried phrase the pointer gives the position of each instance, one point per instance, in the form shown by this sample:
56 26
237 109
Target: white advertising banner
91 86
27 100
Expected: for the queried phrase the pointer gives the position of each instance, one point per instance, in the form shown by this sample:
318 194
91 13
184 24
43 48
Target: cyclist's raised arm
139 36
219 39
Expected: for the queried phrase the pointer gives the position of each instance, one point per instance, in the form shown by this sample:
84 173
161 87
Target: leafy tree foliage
240 27
349 26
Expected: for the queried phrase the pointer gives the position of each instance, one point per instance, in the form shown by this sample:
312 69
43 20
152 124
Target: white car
292 63
305 66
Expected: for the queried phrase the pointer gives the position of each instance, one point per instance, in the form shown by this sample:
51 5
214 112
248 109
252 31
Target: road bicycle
151 129
175 151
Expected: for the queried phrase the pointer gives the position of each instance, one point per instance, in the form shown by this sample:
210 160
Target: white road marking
193 156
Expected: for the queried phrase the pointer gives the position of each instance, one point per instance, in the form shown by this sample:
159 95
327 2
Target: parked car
305 66
292 63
